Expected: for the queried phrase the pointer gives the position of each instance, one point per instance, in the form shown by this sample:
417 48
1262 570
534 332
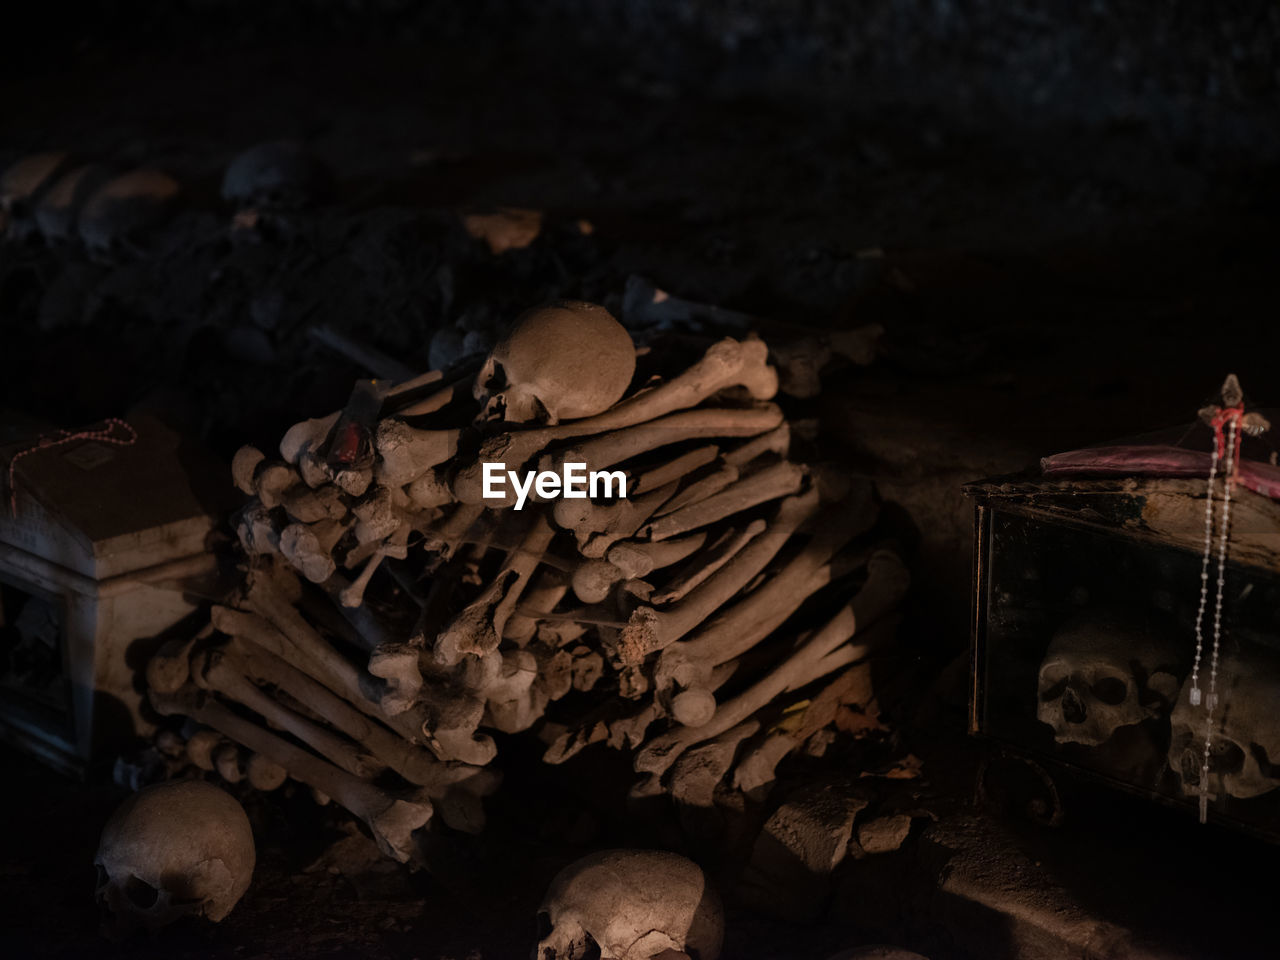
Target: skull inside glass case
1088 594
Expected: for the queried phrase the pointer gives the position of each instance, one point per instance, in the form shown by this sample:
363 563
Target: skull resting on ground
175 849
1105 671
1244 751
564 361
630 905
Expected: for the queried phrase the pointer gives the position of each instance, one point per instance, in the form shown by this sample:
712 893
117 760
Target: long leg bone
818 656
700 489
779 480
609 448
455 787
649 630
776 441
738 628
220 672
721 552
391 820
681 466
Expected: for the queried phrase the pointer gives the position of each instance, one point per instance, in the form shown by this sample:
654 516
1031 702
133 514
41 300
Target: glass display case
1084 638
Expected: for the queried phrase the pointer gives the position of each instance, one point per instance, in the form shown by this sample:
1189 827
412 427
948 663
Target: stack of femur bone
390 613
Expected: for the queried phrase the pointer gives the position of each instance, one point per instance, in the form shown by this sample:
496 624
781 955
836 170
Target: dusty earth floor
1041 288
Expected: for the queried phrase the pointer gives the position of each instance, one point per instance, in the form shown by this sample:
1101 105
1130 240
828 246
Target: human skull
630 905
124 207
559 362
21 185
280 174
1103 672
1244 751
175 849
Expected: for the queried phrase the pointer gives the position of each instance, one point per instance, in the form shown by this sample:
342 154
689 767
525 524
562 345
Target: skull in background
1244 752
175 849
1104 671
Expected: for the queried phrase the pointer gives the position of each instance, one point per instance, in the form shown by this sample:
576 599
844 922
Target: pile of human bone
400 600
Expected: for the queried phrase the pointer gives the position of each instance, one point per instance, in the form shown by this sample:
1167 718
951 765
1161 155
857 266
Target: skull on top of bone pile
1244 751
1104 671
175 849
630 905
564 361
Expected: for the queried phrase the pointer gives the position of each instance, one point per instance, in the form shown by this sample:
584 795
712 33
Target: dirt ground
1042 286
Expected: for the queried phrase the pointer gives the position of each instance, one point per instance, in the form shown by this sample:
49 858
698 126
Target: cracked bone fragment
390 819
771 483
697 772
300 545
406 453
649 630
307 505
397 663
565 361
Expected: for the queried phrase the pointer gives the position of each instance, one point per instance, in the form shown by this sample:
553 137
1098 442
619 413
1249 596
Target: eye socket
140 893
1054 690
1110 690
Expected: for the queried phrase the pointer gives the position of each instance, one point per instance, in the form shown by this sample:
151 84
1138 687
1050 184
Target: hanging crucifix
1229 423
